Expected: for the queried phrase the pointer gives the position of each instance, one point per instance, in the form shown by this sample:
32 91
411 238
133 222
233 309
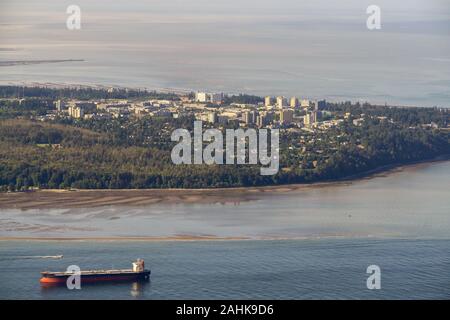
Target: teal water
294 269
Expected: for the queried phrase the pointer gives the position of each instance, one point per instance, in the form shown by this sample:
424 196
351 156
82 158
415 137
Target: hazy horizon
307 49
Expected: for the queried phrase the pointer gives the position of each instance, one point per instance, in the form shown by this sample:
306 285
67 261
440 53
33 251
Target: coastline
129 239
89 85
189 238
92 198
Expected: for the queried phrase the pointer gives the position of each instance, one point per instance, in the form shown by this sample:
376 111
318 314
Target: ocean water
294 269
313 49
399 221
413 203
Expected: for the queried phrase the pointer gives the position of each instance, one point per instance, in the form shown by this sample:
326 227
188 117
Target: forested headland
135 152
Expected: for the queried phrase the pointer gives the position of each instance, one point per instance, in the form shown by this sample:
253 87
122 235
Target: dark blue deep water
294 269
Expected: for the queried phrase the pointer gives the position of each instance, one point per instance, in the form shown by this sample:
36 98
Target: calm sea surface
410 204
400 222
321 269
314 49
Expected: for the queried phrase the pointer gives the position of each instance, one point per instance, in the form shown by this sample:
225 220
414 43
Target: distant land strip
9 63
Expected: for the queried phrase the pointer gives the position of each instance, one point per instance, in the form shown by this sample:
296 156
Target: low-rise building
305 103
205 97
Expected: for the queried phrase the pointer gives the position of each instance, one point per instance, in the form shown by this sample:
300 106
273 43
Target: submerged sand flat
64 199
52 199
412 202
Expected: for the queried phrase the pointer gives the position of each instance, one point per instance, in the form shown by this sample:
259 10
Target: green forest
135 153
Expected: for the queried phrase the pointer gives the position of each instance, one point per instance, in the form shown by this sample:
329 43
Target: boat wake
40 257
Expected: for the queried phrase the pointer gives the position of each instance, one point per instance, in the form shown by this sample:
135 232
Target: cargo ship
136 273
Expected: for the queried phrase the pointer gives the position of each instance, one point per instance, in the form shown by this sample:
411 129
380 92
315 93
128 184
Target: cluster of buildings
273 112
205 97
209 107
311 110
294 102
115 108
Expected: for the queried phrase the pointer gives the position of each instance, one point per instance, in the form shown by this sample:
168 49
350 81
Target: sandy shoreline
64 199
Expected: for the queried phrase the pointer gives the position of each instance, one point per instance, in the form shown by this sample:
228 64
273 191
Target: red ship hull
97 277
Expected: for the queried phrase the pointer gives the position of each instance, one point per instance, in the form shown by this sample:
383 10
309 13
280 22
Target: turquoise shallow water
294 269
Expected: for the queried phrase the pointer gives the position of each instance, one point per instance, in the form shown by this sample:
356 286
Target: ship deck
94 272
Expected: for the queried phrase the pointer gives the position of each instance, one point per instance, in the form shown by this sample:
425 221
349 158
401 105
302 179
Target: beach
405 202
60 199
47 199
